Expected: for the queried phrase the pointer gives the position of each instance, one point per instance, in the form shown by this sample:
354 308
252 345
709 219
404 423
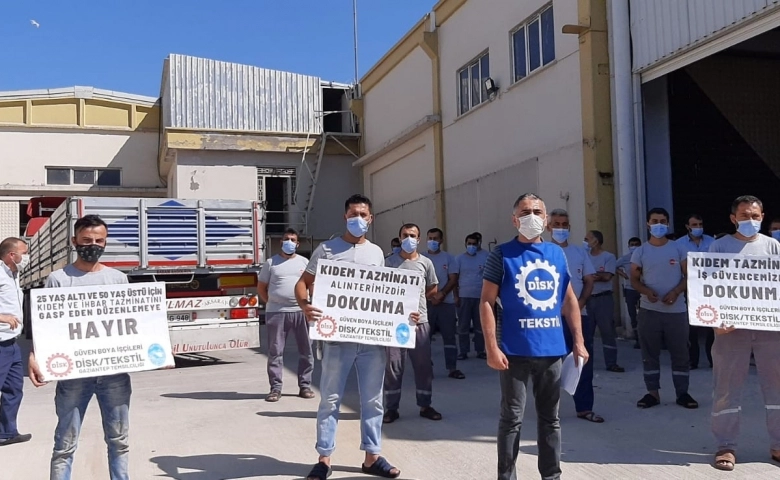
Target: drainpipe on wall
623 142
430 44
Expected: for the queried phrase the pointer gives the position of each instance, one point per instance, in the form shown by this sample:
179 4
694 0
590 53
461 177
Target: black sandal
321 471
687 401
390 416
616 369
647 401
430 413
457 374
306 392
591 417
381 468
274 396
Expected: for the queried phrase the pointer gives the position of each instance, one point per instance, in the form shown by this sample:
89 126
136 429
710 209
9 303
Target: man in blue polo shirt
531 278
697 241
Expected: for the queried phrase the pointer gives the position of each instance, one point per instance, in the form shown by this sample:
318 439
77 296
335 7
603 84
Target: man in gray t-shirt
441 307
283 315
658 272
338 358
471 266
73 396
732 348
420 355
601 304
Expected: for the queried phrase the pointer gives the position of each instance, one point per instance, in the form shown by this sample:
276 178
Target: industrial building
218 131
605 108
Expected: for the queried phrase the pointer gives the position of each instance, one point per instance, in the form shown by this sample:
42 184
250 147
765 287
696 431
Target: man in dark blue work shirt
532 280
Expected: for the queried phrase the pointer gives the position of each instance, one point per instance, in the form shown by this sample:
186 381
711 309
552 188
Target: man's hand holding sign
364 304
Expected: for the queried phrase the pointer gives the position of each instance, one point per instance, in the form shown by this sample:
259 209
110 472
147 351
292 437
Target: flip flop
687 401
381 468
457 374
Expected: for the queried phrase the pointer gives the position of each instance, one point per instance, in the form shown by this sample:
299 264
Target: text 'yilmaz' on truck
208 253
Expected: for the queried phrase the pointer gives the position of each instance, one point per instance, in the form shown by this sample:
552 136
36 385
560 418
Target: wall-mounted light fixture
491 87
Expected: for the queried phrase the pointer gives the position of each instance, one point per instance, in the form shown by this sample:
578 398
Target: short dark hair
406 226
291 231
438 231
395 240
746 199
9 244
694 216
525 196
357 199
476 236
89 221
659 211
599 236
634 240
775 220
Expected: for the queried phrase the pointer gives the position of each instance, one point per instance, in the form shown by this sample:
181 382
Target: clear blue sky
121 44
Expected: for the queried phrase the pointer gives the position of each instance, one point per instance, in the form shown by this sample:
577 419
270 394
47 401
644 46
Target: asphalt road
207 421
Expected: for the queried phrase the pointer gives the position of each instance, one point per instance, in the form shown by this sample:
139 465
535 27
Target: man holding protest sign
339 357
732 348
13 259
73 396
276 287
531 277
420 355
658 273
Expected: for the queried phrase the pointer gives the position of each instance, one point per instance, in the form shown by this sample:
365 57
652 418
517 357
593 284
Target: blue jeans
71 400
583 396
337 361
11 387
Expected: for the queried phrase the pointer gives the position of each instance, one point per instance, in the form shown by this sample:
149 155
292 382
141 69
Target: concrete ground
208 421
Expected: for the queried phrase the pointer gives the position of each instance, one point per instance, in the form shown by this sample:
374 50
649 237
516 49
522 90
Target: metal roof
204 94
78 92
661 29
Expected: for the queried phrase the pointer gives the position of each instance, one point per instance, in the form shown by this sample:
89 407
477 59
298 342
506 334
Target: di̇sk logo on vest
537 285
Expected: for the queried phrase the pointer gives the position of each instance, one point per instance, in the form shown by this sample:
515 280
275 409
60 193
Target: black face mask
90 253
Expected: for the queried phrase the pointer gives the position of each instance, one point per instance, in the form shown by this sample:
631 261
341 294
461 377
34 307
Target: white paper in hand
570 373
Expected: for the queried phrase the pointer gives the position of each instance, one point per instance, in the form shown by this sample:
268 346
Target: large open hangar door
711 132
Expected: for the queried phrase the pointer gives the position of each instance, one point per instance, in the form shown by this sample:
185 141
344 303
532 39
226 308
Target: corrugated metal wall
211 95
661 28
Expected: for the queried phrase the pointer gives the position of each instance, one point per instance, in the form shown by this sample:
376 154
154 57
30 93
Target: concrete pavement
208 421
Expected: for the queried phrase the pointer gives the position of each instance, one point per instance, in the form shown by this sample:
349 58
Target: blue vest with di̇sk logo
536 277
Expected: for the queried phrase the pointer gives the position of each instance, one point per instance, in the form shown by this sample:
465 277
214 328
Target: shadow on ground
238 466
307 414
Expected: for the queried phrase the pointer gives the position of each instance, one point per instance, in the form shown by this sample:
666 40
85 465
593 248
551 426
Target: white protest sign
364 304
730 290
82 332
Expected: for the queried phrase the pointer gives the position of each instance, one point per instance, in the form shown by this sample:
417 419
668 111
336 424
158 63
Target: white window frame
524 27
71 174
476 61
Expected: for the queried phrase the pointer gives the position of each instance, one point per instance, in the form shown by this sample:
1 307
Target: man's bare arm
487 317
262 290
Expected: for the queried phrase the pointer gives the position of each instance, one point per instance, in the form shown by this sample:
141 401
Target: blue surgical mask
357 226
396 250
288 247
632 249
409 244
471 249
658 230
560 235
776 234
697 232
433 245
586 245
749 228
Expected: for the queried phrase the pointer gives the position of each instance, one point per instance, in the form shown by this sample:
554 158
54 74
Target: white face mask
531 226
23 263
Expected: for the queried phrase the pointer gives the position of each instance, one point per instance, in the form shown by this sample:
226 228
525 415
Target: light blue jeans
337 361
71 400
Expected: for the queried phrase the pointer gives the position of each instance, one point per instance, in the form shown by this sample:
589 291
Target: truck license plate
180 317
